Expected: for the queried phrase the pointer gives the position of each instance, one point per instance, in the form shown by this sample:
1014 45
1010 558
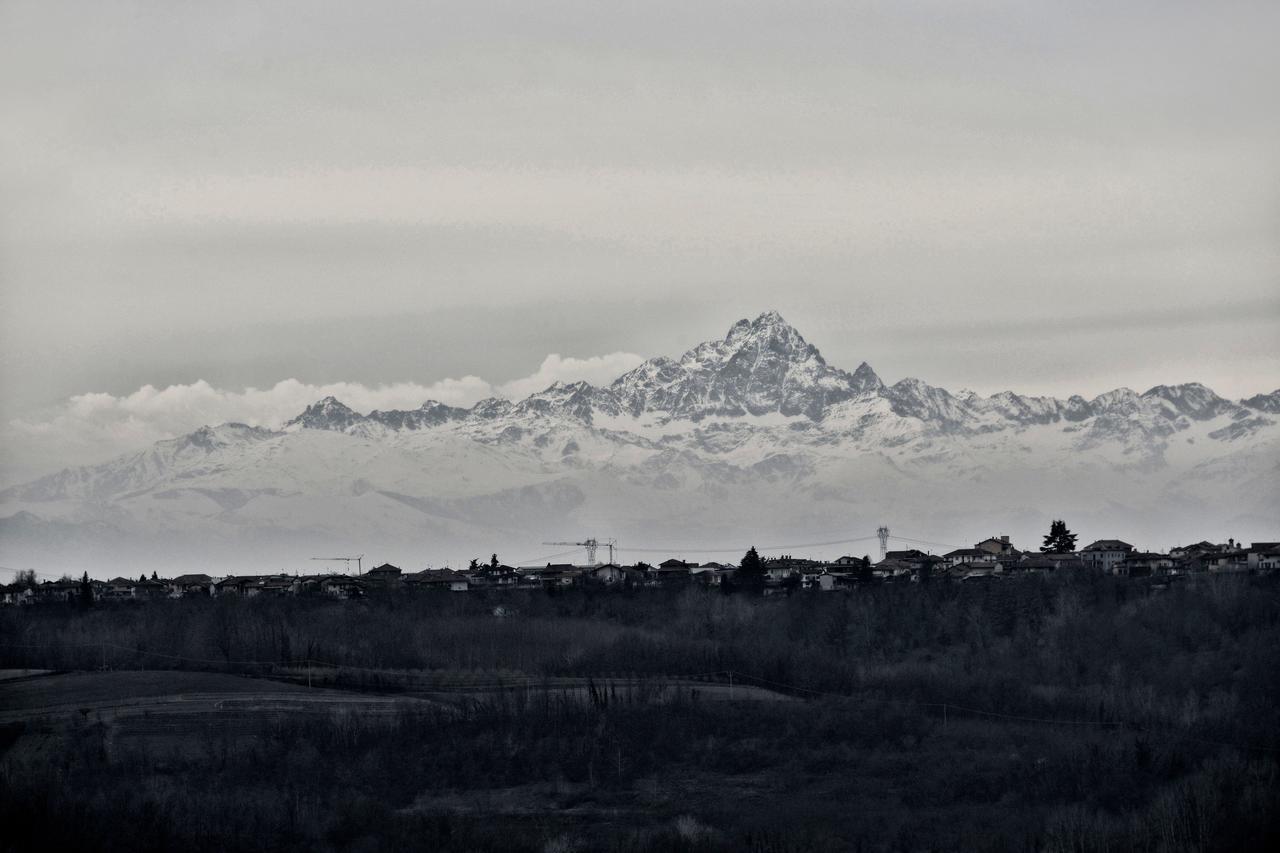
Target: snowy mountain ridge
751 433
765 366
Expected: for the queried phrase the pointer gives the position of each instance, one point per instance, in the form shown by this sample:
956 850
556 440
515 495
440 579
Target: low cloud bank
96 426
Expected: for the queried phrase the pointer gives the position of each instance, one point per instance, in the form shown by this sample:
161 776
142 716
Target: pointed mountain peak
767 326
769 318
329 413
866 379
329 404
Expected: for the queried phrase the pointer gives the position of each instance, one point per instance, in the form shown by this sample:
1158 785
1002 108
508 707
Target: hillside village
993 559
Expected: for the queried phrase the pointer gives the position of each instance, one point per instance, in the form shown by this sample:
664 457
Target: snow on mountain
760 366
752 437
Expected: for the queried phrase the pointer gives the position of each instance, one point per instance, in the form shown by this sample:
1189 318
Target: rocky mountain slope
748 438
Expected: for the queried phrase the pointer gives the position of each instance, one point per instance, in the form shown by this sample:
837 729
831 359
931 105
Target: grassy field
1048 716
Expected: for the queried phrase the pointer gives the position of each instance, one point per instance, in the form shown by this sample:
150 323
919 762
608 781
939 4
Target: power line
548 557
668 549
53 575
927 542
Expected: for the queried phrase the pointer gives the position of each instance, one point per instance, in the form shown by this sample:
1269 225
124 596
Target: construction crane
591 545
358 558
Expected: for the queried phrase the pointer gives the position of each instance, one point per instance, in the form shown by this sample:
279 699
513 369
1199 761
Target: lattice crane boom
591 545
358 559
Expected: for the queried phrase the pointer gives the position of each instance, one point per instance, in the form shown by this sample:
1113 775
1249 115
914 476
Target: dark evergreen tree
750 573
493 561
1059 540
86 591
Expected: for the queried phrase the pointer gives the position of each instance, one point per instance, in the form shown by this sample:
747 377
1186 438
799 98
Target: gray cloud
1047 197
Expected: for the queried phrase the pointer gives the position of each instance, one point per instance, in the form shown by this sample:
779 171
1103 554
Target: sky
217 211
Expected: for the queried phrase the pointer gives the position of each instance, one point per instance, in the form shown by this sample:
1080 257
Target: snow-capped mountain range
752 438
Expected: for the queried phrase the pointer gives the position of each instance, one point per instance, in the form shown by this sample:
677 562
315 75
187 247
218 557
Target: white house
1105 554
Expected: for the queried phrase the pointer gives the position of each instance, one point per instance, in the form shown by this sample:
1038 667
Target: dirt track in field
120 694
34 695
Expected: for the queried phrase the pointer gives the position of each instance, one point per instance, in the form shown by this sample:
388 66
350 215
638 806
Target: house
1203 548
17 594
963 556
1188 564
150 588
51 592
811 577
384 577
978 572
118 589
493 575
816 577
889 569
1061 562
911 556
1143 564
1031 562
1105 554
848 571
780 569
194 585
611 574
244 585
846 581
910 563
713 574
551 576
997 546
343 587
446 580
1264 555
1231 561
278 585
670 573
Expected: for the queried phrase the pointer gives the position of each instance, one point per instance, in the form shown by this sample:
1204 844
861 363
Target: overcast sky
475 197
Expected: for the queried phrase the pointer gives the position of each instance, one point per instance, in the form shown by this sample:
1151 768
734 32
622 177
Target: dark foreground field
1040 715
